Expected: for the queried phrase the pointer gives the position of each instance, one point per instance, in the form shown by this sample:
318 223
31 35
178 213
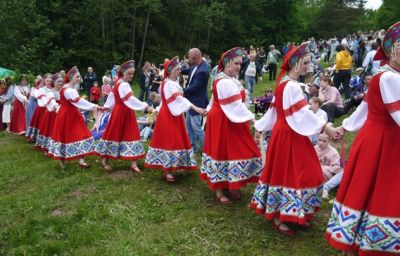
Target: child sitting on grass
330 163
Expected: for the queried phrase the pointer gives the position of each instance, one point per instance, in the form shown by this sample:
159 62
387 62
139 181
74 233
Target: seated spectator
330 163
313 90
331 98
261 104
358 93
315 106
357 80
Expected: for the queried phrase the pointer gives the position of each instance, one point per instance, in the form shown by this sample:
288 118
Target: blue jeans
334 181
250 83
193 125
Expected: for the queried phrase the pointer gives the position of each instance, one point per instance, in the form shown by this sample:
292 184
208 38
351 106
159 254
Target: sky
373 4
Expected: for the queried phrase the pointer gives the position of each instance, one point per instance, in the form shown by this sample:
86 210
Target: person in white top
170 148
121 139
70 138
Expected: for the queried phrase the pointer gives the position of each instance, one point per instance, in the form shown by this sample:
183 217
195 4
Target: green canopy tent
6 72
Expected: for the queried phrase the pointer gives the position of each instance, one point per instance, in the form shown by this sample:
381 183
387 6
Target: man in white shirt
250 73
369 64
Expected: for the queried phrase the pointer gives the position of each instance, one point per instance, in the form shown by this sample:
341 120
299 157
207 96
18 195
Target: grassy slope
45 211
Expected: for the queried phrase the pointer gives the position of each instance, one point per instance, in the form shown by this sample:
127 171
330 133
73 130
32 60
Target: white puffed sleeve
389 84
266 123
19 93
357 119
297 111
230 100
51 99
110 102
34 92
41 97
126 95
176 103
72 95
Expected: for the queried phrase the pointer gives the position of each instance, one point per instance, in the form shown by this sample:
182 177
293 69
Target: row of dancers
365 218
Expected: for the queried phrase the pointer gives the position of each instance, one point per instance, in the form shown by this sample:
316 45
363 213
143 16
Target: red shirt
95 93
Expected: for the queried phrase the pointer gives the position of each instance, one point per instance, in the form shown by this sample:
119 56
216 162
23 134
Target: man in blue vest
196 92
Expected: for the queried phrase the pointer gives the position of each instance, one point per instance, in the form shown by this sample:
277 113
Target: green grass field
47 211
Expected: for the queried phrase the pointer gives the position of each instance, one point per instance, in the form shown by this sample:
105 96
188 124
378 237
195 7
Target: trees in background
49 35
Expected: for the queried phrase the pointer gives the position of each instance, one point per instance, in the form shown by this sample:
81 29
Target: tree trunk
103 25
133 34
144 38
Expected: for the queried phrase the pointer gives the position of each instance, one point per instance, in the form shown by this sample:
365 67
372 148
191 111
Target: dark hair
340 48
367 74
374 45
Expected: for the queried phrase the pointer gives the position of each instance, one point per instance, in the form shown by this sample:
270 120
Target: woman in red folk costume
170 148
52 104
365 217
18 117
70 138
42 102
40 109
231 158
31 112
121 139
290 185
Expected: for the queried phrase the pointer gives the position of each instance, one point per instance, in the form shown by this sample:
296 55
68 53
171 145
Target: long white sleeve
34 92
42 96
72 95
230 100
126 95
389 84
267 122
356 120
177 104
297 111
20 93
110 102
52 104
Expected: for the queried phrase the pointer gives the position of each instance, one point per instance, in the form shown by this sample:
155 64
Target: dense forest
49 35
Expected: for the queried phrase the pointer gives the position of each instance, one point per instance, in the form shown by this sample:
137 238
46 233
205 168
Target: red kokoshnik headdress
391 37
291 58
170 65
229 55
71 74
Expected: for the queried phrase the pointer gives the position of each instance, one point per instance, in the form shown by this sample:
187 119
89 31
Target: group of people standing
365 217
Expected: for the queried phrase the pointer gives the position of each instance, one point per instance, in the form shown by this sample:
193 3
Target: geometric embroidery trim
230 171
171 158
58 149
120 149
286 201
369 232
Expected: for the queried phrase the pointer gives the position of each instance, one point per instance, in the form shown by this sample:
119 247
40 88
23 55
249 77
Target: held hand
149 109
333 132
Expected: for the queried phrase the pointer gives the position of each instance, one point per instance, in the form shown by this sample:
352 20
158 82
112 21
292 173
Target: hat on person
359 70
71 74
126 65
391 37
56 77
170 65
292 57
230 55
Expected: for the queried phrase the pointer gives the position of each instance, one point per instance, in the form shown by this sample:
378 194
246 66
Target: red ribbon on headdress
285 66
